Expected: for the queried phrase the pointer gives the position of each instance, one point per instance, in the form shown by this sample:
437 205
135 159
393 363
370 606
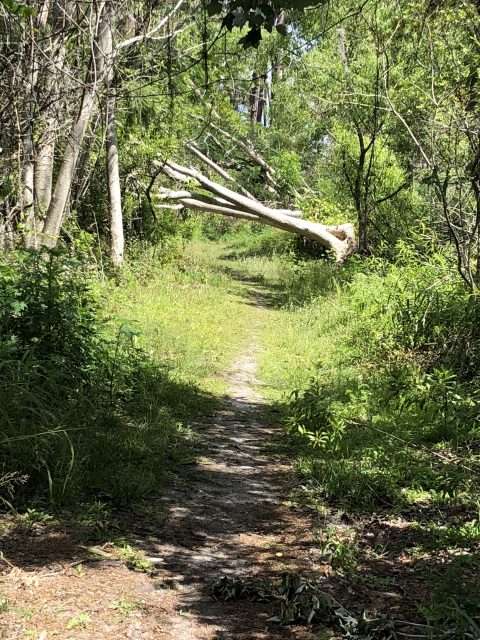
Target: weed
24 613
125 605
97 519
300 600
96 407
26 521
3 603
340 549
80 621
133 558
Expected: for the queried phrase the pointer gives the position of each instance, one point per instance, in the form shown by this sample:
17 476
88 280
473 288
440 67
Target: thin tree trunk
27 147
114 191
28 188
255 100
117 241
66 174
44 167
360 205
45 152
82 178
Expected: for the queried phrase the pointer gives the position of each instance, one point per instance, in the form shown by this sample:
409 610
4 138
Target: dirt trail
225 516
230 519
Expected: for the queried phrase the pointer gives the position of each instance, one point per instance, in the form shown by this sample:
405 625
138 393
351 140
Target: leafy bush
76 396
392 411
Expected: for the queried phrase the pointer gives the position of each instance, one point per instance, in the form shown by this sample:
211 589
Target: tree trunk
66 174
54 84
117 241
44 167
114 191
255 100
359 201
340 239
28 188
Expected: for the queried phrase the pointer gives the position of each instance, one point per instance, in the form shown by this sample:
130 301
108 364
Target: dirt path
225 517
230 519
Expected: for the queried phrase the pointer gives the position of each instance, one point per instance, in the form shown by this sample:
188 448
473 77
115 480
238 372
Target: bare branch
147 36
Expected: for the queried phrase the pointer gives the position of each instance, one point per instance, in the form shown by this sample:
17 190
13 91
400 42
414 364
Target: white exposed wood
150 34
218 169
27 187
117 240
339 238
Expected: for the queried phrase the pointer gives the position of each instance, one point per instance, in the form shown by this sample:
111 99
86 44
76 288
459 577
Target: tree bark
28 188
340 239
115 195
255 100
66 174
44 167
53 82
117 240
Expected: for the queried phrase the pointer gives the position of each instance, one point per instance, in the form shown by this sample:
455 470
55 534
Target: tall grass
374 366
377 378
99 383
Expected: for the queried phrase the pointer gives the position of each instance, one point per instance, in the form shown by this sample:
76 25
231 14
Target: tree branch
146 36
338 238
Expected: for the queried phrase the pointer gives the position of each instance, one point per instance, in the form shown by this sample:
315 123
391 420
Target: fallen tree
203 194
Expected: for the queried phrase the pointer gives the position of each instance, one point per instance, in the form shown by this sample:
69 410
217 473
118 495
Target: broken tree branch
339 238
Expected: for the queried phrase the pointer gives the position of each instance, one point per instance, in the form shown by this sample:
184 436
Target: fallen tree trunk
220 199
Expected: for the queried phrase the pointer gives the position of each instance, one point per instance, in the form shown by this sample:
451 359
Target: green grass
361 362
371 366
105 413
192 317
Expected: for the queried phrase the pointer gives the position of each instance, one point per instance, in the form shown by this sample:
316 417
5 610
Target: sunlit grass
192 317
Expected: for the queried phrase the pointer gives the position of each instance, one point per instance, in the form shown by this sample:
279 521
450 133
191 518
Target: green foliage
76 394
17 8
49 315
80 621
301 601
383 360
312 416
287 167
215 227
258 15
341 551
133 559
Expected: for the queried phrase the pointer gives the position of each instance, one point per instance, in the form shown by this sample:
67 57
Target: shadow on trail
228 511
294 284
227 515
258 290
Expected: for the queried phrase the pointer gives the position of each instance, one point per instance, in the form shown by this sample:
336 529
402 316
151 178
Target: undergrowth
378 374
374 367
99 383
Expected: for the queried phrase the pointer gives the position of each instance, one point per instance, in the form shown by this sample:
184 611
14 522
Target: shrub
393 409
76 396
